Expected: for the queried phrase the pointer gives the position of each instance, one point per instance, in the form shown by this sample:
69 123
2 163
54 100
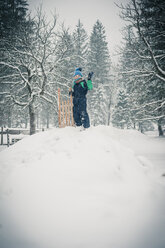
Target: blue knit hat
77 73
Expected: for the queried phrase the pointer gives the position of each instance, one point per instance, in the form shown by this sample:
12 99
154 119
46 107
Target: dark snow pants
80 114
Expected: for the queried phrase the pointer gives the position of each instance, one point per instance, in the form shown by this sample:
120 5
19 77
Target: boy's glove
90 75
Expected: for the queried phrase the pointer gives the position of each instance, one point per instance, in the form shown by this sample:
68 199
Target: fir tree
153 25
99 62
121 113
80 39
12 22
143 71
12 16
65 66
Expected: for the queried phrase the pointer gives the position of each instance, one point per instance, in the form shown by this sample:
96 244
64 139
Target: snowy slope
68 189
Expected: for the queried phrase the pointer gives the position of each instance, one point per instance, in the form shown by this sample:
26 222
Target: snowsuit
80 114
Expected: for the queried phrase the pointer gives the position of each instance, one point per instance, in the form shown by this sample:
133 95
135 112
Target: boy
80 88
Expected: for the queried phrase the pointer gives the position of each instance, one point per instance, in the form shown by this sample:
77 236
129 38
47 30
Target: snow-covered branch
14 68
5 93
152 118
150 103
159 71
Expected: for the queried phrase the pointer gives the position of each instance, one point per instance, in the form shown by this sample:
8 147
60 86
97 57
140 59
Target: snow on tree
12 16
122 116
31 62
99 62
65 61
80 39
143 60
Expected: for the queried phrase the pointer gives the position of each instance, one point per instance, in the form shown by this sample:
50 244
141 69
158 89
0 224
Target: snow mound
67 189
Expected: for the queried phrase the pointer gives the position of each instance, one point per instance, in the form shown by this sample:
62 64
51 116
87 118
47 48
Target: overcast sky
88 11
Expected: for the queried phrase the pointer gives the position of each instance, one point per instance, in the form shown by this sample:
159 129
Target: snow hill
93 189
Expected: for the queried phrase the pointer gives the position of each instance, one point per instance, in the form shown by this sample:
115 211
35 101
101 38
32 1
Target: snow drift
68 189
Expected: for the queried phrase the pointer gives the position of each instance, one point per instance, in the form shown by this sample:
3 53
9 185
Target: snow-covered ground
100 188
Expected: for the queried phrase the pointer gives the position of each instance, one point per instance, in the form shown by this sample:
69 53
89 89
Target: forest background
39 54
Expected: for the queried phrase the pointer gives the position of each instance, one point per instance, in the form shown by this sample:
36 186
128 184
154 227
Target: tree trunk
26 123
9 118
160 112
160 130
37 115
1 135
141 127
109 112
134 125
32 119
47 119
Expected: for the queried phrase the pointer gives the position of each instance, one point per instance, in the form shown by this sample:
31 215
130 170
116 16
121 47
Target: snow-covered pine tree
13 17
121 114
99 63
147 52
80 40
64 67
152 26
135 80
128 78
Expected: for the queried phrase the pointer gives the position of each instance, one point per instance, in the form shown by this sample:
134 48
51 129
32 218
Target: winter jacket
80 89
